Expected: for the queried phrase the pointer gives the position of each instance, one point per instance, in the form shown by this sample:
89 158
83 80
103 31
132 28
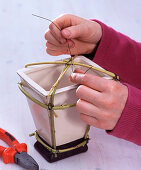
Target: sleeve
129 125
122 56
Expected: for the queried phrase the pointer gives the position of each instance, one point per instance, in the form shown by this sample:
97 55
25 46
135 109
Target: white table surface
22 41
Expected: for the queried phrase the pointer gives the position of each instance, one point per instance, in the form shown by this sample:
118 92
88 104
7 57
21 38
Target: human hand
101 101
71 33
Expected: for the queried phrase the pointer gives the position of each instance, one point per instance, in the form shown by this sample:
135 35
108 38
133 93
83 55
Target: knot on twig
68 61
50 106
116 78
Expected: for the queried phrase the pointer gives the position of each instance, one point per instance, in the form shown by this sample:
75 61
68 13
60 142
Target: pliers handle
15 147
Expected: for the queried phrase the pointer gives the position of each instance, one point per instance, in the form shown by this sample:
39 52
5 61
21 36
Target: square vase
37 81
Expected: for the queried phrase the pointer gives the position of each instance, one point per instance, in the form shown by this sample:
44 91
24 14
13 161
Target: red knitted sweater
122 56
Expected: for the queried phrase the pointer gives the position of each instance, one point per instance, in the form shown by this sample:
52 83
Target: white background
22 41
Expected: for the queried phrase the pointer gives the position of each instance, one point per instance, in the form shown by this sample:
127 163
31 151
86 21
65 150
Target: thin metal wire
60 30
88 70
46 19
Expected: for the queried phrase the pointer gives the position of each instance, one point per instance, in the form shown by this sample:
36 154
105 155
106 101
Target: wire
60 30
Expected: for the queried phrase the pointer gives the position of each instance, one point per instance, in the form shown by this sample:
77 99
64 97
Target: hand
101 101
79 34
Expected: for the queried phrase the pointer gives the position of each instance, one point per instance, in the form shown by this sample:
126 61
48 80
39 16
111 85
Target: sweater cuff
129 125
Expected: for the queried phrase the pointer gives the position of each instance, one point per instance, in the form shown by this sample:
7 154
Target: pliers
16 153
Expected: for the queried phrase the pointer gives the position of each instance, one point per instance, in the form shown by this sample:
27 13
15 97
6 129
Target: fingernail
77 77
66 33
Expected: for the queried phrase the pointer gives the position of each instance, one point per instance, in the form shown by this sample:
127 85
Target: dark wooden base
50 157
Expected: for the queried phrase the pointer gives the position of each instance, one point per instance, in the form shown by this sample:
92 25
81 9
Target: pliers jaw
26 161
16 153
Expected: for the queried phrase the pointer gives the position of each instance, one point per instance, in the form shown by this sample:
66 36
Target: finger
51 47
94 122
94 82
78 70
62 22
54 52
68 20
89 95
76 31
58 24
81 47
56 32
90 120
50 38
71 26
88 109
59 46
63 48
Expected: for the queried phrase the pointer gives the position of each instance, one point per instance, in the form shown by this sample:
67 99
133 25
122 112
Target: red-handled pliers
16 153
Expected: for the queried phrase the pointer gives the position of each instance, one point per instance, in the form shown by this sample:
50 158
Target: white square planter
37 81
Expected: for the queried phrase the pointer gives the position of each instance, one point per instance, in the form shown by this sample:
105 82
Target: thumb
73 32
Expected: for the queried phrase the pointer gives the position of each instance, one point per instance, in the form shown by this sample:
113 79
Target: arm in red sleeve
122 56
